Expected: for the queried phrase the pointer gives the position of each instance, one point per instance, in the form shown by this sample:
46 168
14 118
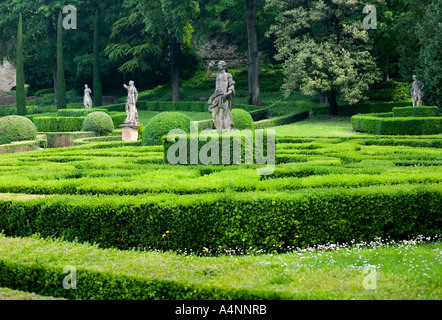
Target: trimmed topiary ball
99 122
162 124
16 128
242 119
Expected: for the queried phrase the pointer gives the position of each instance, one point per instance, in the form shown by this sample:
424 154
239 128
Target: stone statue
221 102
416 92
87 101
131 104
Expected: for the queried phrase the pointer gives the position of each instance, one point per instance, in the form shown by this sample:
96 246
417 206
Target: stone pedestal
130 132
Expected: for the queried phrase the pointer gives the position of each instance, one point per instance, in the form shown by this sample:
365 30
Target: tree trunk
20 78
334 108
175 69
61 83
54 77
253 59
52 34
98 90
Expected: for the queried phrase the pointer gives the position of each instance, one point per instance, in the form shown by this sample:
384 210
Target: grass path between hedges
405 270
320 126
9 294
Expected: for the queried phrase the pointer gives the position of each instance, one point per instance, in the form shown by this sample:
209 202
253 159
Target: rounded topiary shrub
99 122
162 124
242 119
16 128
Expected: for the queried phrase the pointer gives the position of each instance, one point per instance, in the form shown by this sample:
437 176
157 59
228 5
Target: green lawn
375 270
9 294
319 126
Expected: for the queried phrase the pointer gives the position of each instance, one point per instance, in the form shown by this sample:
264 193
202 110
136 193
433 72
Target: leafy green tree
21 93
325 49
430 56
98 95
406 37
40 36
151 28
61 83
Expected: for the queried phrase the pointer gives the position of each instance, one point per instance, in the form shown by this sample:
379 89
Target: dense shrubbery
393 91
162 124
16 128
99 122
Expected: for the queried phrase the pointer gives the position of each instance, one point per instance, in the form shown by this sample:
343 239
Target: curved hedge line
384 123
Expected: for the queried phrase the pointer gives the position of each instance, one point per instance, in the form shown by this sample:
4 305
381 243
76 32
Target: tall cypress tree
20 80
61 83
98 94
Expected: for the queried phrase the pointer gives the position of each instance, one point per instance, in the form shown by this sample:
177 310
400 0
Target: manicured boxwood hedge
264 219
257 113
19 147
416 112
386 124
280 121
77 112
225 143
59 124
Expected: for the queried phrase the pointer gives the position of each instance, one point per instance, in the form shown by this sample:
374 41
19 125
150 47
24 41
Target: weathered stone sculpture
87 101
130 125
221 102
131 104
416 92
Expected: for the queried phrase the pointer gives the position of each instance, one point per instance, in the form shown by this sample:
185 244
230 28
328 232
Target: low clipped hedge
12 110
22 146
416 112
16 128
59 124
99 122
162 124
257 113
381 107
280 121
264 219
388 125
65 139
77 112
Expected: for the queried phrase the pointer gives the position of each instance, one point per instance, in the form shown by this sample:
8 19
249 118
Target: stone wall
7 76
220 49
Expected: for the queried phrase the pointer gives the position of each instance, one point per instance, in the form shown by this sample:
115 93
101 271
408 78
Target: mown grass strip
403 271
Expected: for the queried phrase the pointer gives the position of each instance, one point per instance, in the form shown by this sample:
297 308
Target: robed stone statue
221 102
131 104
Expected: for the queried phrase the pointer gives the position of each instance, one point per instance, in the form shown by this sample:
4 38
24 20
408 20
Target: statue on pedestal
87 101
416 92
131 104
221 102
